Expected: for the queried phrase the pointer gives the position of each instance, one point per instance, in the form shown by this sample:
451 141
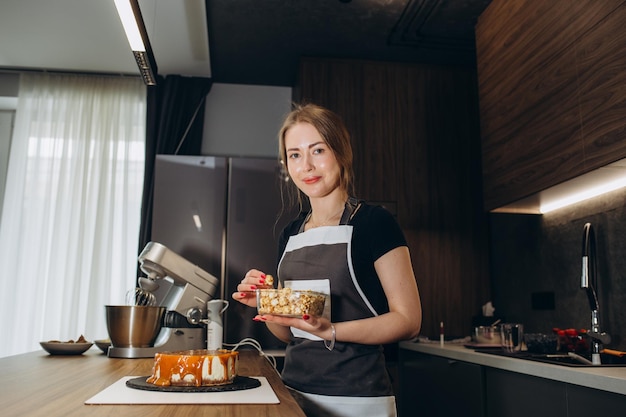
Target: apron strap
351 207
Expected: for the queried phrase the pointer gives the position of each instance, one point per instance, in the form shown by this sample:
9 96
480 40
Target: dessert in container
289 302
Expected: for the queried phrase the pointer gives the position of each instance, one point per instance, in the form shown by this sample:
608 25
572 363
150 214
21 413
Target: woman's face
310 162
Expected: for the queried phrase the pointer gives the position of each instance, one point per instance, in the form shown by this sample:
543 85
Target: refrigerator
225 215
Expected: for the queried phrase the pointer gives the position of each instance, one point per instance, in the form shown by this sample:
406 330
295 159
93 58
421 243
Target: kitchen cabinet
417 151
516 395
600 63
550 80
585 402
434 386
431 375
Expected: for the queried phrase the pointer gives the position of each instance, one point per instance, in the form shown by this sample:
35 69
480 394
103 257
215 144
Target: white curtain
71 214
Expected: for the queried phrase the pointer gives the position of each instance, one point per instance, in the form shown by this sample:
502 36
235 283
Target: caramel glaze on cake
194 368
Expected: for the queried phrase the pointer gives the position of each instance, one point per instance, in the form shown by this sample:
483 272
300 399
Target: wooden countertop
611 379
39 384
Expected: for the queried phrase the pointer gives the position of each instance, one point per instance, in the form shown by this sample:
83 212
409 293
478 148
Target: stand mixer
184 290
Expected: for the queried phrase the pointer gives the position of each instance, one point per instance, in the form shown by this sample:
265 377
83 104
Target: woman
353 251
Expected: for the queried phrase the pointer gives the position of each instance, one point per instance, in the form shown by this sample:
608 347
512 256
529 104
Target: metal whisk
141 296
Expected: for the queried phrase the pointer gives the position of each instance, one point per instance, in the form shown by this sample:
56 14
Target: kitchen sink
558 358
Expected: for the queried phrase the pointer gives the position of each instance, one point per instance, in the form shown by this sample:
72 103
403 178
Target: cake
290 302
194 368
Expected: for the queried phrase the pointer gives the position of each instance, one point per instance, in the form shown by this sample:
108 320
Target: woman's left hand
318 326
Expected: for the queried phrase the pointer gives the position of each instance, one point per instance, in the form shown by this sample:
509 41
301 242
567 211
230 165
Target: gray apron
351 373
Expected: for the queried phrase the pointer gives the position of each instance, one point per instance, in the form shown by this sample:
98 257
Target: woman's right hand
246 289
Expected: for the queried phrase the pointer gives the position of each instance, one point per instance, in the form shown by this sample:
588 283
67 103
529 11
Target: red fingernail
305 317
242 294
262 281
253 287
256 319
263 276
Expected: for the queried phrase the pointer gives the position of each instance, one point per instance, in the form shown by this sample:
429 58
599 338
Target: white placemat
119 393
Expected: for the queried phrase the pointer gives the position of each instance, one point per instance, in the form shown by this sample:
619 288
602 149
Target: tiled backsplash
540 255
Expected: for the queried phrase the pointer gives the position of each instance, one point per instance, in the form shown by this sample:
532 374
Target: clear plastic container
290 303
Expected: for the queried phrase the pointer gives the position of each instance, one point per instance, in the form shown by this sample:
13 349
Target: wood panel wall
551 90
417 150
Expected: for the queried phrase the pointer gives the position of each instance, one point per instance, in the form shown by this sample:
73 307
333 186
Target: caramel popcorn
289 302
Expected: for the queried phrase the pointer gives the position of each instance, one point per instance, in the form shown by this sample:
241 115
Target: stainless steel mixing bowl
134 326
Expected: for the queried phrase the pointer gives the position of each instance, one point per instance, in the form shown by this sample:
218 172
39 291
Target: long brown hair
334 132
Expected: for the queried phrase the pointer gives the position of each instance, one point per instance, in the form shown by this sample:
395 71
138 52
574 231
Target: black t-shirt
375 232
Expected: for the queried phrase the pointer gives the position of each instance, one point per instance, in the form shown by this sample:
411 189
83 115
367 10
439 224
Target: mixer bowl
134 326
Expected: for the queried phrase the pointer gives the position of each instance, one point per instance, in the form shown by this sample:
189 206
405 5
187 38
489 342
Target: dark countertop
611 379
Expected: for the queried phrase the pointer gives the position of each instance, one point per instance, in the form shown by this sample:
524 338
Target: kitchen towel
119 393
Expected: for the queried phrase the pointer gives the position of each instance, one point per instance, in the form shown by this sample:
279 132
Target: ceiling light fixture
130 15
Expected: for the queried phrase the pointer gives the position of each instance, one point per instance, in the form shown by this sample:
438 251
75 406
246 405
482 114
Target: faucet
588 282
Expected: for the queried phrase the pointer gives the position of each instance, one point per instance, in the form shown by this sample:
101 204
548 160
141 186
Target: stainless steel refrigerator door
254 206
189 213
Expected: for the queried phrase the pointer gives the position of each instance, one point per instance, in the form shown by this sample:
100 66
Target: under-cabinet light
584 195
600 181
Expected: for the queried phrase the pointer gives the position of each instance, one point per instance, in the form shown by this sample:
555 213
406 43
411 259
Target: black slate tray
240 383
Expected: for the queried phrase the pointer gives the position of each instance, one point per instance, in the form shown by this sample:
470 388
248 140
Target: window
70 222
